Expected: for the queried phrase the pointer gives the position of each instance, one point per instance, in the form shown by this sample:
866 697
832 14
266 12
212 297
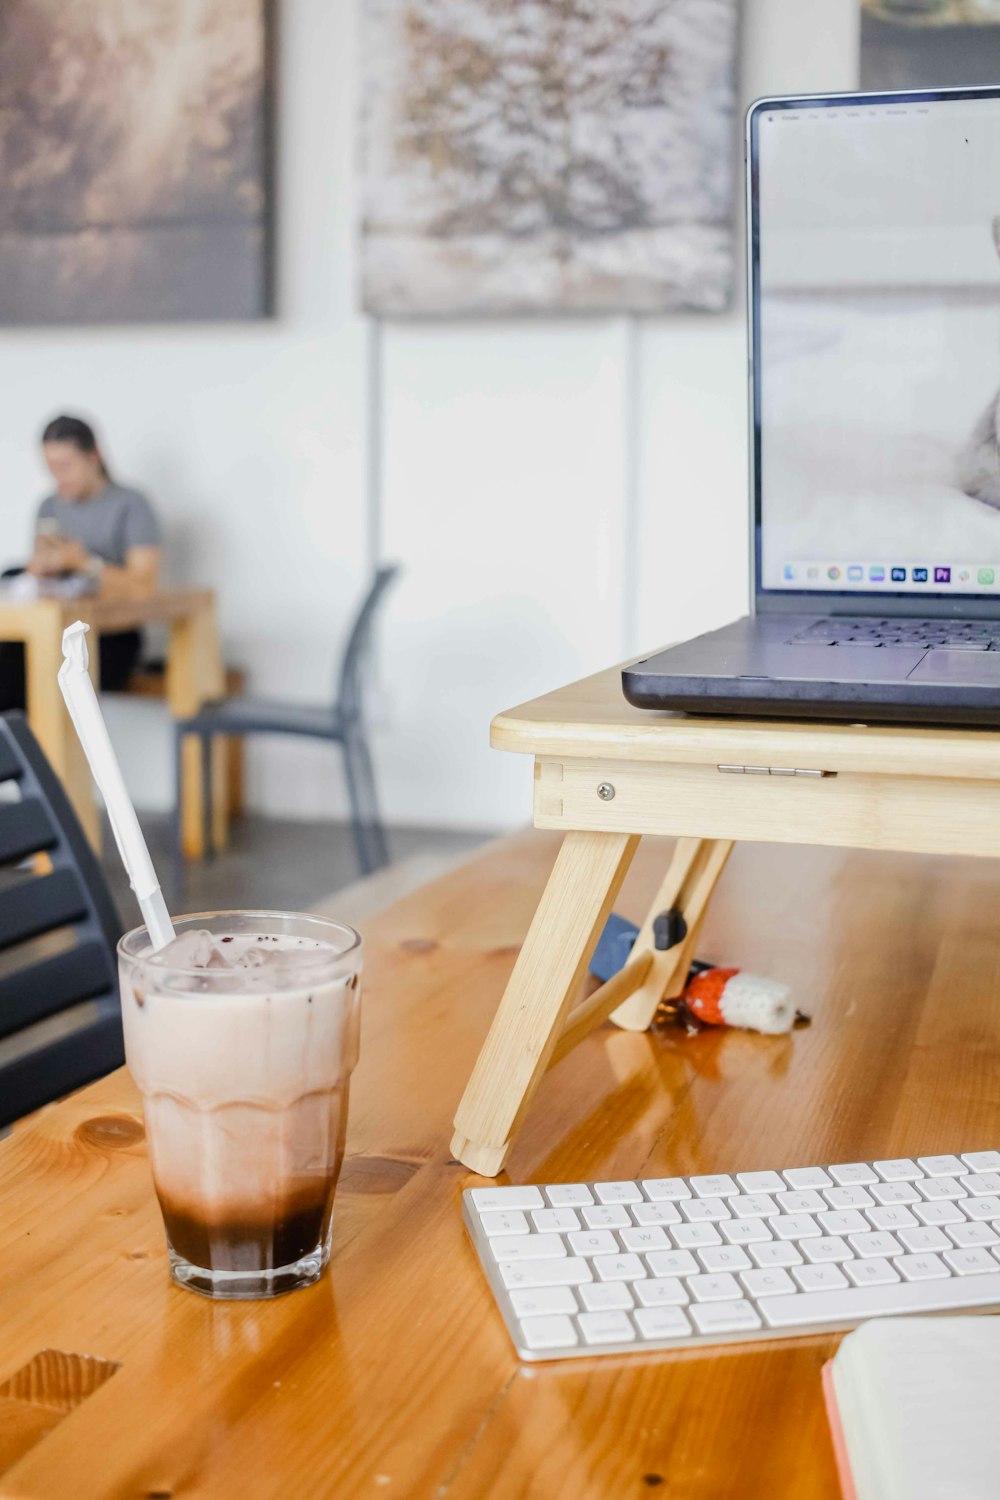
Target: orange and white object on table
731 997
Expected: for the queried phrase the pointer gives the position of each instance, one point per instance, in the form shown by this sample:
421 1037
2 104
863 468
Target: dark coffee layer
244 1243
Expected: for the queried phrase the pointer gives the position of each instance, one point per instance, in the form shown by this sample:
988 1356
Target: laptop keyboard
682 1262
948 635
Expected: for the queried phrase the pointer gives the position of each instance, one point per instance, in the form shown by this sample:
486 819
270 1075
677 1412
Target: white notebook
917 1405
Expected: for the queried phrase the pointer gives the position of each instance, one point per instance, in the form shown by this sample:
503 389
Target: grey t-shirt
107 524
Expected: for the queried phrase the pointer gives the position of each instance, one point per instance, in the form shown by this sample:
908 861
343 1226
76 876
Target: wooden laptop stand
606 773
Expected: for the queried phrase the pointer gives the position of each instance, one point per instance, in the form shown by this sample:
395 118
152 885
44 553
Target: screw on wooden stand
605 791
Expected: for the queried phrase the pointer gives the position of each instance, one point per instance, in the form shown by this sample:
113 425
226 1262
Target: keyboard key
808 1202
661 1291
843 1221
939 1213
937 1189
619 1267
662 1323
499 1222
655 1213
527 1247
873 1272
558 1219
982 1161
650 1238
594 1242
775 1283
794 1226
607 1328
724 1258
848 1197
618 1192
665 1189
982 1208
672 1263
819 1278
569 1195
853 1174
857 1302
827 1248
753 1206
776 1253
717 1185
726 1317
896 1192
705 1210
806 1177
544 1300
606 1296
941 1166
967 1235
606 1216
570 1271
760 1182
894 1217
744 1231
506 1198
690 1236
900 1169
919 1240
923 1267
713 1288
548 1333
981 1183
969 1262
874 1244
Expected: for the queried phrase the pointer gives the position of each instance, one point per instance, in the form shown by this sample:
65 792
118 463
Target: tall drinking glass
242 1036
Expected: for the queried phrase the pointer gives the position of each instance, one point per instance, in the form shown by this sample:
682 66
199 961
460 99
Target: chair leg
178 829
354 798
377 840
208 837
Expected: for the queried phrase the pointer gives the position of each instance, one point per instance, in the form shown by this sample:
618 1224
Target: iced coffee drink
242 1035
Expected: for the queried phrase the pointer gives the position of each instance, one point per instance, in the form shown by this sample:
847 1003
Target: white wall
251 439
560 492
549 526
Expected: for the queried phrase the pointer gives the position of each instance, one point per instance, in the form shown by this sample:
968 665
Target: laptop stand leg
686 890
585 880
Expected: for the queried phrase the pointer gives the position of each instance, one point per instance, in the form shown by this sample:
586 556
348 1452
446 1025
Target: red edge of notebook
837 1434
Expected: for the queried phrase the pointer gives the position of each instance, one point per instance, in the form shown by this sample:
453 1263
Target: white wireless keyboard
680 1262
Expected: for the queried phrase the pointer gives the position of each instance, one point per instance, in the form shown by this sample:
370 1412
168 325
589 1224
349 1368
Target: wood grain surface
394 1376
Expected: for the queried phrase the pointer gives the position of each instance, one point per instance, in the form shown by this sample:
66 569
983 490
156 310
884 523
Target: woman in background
94 526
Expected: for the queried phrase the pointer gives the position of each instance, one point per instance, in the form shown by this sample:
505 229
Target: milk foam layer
275 1034
245 1090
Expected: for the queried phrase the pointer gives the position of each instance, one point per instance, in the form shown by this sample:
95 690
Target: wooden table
194 675
608 774
394 1376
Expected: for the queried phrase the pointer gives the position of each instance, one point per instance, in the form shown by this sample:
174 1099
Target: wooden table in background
194 675
394 1376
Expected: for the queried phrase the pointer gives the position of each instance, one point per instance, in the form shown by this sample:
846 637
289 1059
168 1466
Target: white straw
88 721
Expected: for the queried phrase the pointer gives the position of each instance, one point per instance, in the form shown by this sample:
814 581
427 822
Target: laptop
874 311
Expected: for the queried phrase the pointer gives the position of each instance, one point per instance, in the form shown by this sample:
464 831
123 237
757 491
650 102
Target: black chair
341 724
73 897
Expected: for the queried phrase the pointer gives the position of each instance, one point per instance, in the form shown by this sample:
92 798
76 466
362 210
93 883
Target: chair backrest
350 685
69 919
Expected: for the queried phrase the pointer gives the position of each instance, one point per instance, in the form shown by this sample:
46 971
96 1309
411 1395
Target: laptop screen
877 344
